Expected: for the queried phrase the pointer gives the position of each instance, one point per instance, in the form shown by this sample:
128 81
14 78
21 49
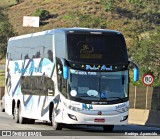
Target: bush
109 5
18 1
80 19
138 3
43 14
6 31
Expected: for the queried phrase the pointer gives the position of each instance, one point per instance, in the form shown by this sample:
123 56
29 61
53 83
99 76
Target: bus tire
31 121
16 114
3 110
55 125
108 128
22 120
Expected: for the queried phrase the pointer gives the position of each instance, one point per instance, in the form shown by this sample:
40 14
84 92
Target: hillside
128 16
138 20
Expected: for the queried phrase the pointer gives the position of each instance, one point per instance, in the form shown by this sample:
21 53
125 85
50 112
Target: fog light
72 117
124 118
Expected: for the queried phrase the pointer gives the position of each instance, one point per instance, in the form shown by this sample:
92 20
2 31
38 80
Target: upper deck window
97 48
30 48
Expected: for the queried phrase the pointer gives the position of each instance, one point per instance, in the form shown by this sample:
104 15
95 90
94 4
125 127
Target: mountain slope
122 15
138 20
132 17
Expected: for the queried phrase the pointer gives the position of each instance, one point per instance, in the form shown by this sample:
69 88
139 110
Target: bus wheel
16 115
22 120
31 121
3 110
108 128
55 125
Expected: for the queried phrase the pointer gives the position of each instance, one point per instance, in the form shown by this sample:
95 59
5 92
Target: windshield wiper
118 98
77 98
87 96
81 97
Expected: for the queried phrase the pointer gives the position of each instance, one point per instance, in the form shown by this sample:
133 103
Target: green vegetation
138 20
6 31
43 14
146 53
109 5
83 20
18 1
2 77
6 3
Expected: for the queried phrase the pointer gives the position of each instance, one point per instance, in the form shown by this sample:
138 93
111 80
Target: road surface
44 129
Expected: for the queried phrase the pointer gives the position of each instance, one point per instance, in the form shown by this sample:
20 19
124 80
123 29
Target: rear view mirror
65 68
65 72
136 74
136 71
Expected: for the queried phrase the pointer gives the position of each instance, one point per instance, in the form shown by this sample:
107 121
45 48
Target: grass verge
2 78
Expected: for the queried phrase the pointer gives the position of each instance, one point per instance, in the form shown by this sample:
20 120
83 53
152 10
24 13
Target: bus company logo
87 106
121 106
29 70
88 67
105 68
94 67
99 113
86 48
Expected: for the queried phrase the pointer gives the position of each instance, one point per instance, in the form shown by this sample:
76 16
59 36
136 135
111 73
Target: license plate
99 120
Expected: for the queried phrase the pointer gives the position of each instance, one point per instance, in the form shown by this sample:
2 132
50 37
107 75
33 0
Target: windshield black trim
82 66
100 102
103 100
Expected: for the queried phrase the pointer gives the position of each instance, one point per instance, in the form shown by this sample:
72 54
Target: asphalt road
44 129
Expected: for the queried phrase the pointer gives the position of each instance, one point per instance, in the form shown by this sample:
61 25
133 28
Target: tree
146 53
43 14
18 1
108 4
6 31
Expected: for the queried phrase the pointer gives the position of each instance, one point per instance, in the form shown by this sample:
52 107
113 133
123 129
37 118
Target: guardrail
147 98
144 106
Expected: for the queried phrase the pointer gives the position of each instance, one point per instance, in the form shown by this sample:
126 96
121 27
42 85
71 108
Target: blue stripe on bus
56 100
28 101
20 78
52 70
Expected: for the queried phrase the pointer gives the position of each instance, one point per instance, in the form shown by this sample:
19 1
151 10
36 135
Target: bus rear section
30 77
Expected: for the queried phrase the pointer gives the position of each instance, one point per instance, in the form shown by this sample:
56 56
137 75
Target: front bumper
72 117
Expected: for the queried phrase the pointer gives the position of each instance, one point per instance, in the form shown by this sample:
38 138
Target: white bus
69 76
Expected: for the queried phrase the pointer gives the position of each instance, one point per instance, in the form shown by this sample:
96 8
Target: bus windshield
97 86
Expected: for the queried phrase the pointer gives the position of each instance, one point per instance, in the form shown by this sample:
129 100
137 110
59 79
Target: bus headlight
72 107
124 109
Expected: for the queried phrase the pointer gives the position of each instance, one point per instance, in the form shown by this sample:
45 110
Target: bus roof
83 30
66 30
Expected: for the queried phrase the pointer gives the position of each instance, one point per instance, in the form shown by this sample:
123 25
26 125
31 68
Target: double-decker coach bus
69 76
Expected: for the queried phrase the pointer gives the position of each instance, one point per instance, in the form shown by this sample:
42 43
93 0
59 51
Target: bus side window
37 85
49 86
62 85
